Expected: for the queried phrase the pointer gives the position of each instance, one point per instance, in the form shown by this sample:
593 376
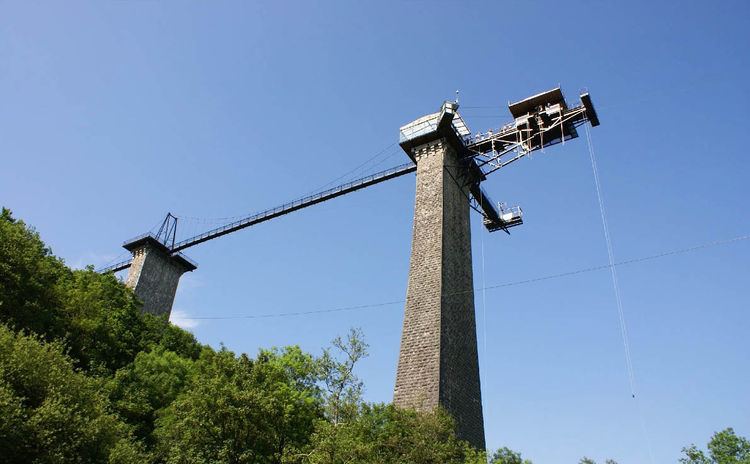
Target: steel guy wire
484 294
641 259
356 169
216 220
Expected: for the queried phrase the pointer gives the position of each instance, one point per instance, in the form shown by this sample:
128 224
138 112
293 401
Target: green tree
51 413
238 410
507 456
29 298
383 433
725 447
158 331
289 376
585 460
148 385
343 389
104 326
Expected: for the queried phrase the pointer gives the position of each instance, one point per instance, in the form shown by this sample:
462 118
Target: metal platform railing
116 267
295 205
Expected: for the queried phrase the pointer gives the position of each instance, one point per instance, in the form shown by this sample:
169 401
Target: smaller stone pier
155 273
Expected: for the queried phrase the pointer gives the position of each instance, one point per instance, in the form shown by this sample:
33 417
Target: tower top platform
446 123
539 101
151 241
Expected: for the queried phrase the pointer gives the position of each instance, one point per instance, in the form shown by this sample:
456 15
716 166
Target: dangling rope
612 268
616 286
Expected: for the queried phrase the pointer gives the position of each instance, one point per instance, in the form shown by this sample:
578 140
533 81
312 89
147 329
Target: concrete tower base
438 363
155 273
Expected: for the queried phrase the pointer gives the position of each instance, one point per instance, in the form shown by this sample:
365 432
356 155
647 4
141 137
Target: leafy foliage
51 413
343 390
103 325
507 456
725 447
239 410
152 382
28 280
385 434
157 331
586 460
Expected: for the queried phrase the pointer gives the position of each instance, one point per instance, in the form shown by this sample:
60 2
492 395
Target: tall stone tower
155 273
438 363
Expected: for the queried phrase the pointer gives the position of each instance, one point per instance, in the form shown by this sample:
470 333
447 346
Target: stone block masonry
155 273
438 363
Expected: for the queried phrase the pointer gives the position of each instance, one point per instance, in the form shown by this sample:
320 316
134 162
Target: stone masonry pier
438 363
155 273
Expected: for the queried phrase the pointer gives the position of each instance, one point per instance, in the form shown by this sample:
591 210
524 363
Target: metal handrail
116 267
276 211
296 204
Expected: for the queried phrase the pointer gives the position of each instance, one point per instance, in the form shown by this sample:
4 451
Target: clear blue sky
113 113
